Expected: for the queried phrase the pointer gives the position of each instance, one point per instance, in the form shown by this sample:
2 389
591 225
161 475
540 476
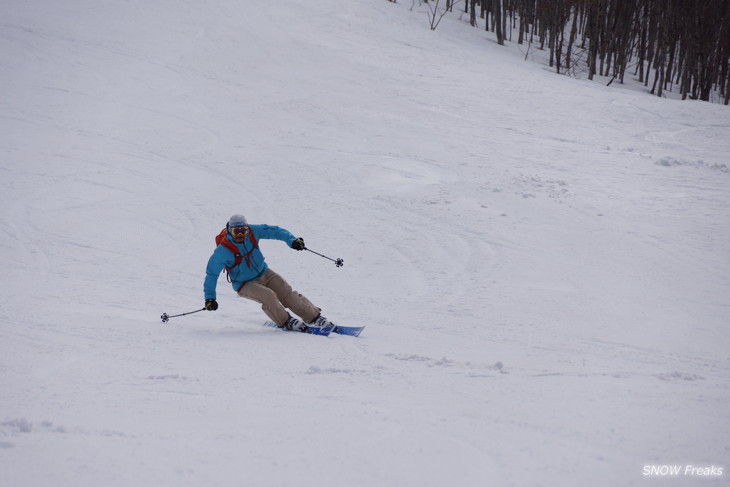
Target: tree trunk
497 4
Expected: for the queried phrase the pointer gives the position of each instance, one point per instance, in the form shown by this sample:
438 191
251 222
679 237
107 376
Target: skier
238 252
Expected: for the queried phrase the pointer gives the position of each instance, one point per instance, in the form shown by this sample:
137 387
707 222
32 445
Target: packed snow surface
542 262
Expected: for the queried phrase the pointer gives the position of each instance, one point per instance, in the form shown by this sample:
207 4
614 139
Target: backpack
221 239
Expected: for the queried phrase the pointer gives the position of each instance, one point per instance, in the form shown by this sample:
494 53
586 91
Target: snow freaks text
682 471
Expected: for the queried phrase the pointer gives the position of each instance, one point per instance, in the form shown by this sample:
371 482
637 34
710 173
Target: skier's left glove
298 244
211 304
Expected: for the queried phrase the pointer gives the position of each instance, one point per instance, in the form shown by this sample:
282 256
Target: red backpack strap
221 239
253 239
255 244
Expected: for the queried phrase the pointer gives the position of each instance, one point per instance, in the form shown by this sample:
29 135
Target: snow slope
542 263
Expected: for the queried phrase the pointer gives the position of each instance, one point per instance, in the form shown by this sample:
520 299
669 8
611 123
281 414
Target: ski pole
338 262
165 317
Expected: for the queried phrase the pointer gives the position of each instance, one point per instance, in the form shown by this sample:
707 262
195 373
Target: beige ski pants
275 296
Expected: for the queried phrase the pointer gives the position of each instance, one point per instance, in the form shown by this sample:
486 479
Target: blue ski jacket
250 268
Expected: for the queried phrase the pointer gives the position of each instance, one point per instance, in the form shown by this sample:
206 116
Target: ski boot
321 322
293 324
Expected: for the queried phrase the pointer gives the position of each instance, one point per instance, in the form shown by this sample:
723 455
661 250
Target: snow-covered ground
542 263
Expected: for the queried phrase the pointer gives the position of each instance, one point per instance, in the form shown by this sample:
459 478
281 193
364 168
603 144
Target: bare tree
686 43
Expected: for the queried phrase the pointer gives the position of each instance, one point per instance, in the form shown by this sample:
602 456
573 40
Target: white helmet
237 221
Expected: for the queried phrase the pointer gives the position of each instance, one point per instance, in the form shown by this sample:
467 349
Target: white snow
542 263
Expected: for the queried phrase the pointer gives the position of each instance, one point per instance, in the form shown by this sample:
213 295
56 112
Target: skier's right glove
298 244
211 304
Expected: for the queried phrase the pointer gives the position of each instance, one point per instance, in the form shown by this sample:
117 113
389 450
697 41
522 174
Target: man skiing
238 252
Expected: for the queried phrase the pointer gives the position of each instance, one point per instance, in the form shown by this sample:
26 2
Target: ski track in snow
542 270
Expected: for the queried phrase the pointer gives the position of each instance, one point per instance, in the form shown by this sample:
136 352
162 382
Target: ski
315 330
311 330
353 331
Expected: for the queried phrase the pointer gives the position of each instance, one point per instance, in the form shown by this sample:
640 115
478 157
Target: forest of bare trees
681 45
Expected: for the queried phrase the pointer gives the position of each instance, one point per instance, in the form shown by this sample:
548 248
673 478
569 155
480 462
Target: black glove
211 304
298 244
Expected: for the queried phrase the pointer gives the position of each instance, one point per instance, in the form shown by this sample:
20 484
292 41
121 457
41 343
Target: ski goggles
239 231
